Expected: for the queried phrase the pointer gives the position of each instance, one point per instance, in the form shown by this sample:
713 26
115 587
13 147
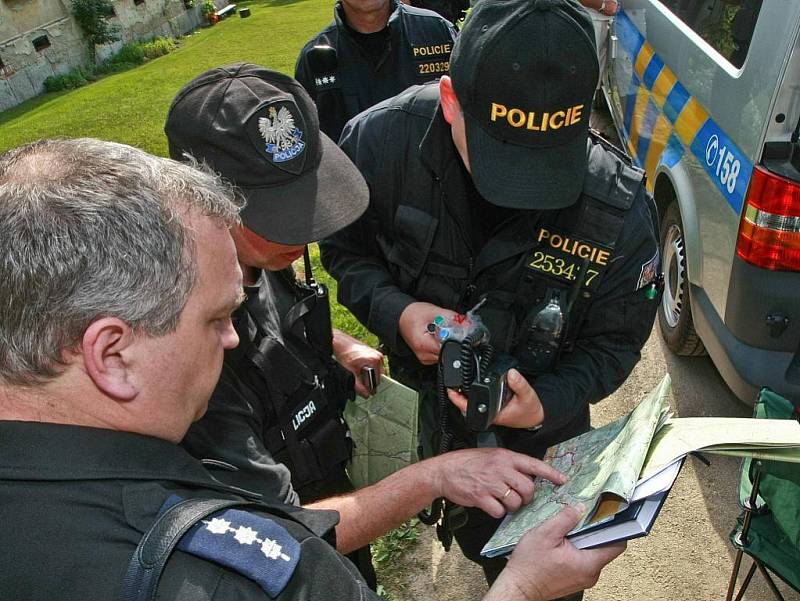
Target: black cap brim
311 207
519 177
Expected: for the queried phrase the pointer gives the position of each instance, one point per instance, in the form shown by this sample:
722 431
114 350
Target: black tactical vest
307 389
565 252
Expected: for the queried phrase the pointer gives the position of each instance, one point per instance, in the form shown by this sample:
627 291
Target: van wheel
675 312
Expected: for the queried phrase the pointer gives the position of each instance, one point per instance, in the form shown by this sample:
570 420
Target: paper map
606 460
384 431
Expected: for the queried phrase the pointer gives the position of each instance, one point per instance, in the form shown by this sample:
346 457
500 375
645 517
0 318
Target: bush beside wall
127 57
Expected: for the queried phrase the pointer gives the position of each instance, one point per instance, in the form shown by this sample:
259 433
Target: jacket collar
57 452
437 149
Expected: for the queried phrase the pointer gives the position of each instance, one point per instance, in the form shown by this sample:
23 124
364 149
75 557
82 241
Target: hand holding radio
468 365
522 410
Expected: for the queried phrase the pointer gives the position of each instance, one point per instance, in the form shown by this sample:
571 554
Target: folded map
604 466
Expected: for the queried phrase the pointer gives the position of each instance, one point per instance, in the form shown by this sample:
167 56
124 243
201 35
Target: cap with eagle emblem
259 129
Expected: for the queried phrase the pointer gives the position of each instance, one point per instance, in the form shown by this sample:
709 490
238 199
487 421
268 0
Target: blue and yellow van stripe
662 120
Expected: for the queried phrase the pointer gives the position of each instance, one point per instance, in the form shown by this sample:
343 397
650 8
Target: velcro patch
564 258
252 545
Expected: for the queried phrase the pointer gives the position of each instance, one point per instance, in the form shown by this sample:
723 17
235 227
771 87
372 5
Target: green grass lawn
131 107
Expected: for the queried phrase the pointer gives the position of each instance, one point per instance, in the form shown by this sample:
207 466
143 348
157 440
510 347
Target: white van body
705 95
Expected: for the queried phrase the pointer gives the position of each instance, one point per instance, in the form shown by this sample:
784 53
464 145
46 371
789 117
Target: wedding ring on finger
508 492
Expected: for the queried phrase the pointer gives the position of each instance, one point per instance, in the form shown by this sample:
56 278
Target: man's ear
447 95
104 347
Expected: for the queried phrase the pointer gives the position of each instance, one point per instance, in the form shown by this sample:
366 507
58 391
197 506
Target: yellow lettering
555 122
556 240
543 233
583 251
498 110
602 257
516 118
430 50
576 114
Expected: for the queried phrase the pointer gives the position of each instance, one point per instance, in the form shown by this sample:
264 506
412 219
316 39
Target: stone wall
39 38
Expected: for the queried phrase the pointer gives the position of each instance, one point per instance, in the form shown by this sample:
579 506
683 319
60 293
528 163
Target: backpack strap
151 555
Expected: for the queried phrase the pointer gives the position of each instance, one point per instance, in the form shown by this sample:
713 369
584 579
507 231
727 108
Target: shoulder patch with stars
252 545
326 81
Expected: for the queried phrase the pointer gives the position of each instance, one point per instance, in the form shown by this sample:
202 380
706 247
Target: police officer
374 49
280 397
117 262
488 187
281 394
120 261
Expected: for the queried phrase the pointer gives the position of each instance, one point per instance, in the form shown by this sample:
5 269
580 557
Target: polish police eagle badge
284 141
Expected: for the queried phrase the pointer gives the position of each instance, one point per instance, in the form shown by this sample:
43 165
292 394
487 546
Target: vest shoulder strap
609 189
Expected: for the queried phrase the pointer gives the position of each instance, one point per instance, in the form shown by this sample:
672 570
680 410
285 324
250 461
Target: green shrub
92 17
158 47
74 78
130 54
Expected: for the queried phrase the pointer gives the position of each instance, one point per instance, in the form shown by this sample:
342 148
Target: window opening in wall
5 70
138 2
41 43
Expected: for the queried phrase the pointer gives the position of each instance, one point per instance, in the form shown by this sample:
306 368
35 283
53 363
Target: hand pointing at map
523 410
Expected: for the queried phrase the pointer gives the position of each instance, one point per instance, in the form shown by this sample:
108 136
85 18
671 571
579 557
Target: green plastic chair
768 530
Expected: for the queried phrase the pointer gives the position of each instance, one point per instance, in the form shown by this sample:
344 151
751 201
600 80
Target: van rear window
727 25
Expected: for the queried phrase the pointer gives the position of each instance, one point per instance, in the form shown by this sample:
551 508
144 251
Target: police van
705 95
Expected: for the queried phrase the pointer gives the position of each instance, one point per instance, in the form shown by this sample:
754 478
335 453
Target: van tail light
769 231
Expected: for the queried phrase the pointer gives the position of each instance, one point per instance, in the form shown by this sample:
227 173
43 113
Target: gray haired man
118 276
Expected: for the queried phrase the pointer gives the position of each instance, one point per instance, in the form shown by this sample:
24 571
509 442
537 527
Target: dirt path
687 557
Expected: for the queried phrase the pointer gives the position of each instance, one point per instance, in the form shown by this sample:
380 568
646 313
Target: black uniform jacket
419 241
242 427
415 49
75 502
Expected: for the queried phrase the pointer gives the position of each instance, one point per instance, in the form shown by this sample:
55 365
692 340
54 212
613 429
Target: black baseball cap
525 72
259 130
